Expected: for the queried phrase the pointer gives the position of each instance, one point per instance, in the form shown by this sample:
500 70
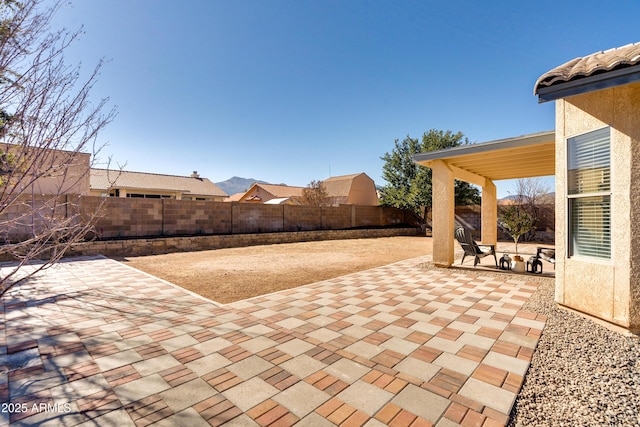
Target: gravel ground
582 374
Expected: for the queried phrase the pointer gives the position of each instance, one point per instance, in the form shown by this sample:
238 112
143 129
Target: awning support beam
443 208
489 213
443 205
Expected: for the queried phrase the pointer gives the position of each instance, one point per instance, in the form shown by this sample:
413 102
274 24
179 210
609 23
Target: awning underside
522 157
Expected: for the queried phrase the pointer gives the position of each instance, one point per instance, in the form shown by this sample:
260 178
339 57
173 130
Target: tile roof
281 190
586 66
342 177
100 180
340 186
234 197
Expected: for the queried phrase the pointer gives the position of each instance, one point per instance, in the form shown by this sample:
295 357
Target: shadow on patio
526 250
393 345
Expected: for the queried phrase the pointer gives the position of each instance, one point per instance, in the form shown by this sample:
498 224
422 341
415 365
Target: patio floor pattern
93 342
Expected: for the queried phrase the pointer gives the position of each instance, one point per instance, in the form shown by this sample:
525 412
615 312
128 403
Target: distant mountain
238 185
545 198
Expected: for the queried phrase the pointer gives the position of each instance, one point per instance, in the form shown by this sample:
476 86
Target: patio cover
480 164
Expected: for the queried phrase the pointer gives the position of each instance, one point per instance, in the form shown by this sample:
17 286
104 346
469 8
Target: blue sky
293 91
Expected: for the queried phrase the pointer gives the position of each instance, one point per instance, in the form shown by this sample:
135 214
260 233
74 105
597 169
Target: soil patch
227 275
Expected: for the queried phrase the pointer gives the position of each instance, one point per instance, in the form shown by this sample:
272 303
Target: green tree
47 125
517 221
409 184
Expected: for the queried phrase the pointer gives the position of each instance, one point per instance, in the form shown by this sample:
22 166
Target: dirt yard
227 275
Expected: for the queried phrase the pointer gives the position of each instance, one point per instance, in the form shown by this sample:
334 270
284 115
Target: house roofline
482 147
591 83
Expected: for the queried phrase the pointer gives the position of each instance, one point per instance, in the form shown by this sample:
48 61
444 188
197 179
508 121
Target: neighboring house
355 189
153 186
282 201
262 193
62 172
234 197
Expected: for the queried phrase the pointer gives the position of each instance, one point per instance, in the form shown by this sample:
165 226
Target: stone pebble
581 374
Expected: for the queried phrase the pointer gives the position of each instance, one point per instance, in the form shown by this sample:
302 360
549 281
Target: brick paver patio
93 342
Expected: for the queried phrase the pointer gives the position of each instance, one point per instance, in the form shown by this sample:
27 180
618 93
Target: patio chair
534 265
471 248
547 254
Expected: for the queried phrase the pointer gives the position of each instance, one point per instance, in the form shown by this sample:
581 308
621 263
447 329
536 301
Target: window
589 194
148 196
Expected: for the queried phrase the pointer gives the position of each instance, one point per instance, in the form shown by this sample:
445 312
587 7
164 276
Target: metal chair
547 254
534 265
471 248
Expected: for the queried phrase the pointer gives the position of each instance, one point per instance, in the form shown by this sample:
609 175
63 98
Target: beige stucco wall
65 172
363 192
489 214
74 179
443 196
256 190
609 289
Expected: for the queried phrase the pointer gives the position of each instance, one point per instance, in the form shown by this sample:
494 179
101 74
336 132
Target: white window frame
571 252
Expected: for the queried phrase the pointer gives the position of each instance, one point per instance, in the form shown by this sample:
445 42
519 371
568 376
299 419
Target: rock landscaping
581 374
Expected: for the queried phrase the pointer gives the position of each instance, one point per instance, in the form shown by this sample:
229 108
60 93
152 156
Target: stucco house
262 193
51 172
104 182
594 153
354 189
597 176
234 197
282 201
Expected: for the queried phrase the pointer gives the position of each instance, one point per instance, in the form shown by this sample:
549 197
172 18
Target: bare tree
48 139
531 193
314 194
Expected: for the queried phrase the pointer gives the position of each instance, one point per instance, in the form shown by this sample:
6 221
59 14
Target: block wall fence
139 218
122 218
129 226
164 245
470 217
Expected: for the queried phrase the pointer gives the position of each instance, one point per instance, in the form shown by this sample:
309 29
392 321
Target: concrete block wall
120 218
29 215
302 218
367 216
256 218
126 217
163 245
336 217
393 216
196 217
471 217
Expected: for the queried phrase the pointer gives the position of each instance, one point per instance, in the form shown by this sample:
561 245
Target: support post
443 203
489 212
